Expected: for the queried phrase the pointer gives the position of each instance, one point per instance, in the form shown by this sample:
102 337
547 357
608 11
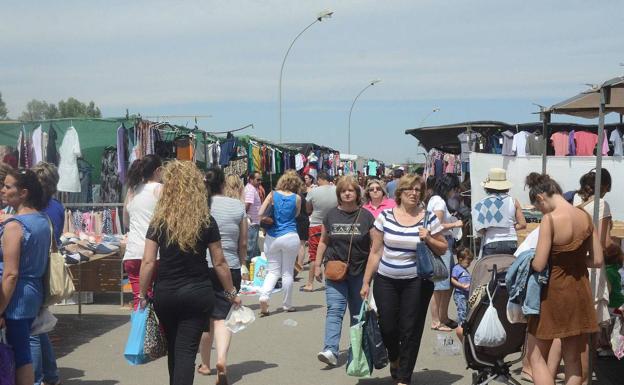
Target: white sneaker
328 357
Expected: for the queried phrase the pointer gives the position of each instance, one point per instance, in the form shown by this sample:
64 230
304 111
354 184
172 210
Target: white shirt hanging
37 142
69 178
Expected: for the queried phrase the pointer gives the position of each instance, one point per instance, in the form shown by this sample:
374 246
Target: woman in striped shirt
402 297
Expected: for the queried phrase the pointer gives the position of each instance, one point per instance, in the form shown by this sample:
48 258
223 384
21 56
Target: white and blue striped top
399 253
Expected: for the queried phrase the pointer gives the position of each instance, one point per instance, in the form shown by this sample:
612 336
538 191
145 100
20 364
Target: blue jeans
252 242
44 360
338 295
461 302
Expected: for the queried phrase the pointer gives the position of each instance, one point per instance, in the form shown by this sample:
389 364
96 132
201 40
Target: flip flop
290 309
303 289
265 314
442 328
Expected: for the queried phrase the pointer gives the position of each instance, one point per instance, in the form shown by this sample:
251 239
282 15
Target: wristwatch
230 295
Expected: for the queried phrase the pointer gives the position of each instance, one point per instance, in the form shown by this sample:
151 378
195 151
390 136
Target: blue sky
484 60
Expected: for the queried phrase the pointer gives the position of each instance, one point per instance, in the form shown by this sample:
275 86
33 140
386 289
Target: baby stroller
490 362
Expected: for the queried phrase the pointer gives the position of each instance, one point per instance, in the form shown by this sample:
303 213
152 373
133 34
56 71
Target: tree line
42 110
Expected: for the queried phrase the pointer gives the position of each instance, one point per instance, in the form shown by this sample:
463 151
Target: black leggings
183 312
402 306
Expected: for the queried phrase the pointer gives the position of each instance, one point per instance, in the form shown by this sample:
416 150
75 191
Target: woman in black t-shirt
181 231
345 236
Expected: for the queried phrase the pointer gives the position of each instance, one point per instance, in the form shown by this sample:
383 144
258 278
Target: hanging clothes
110 190
122 152
560 142
228 151
52 155
37 145
184 147
69 178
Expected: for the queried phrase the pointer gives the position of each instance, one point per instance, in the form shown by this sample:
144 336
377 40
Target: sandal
442 328
291 309
306 290
204 370
221 376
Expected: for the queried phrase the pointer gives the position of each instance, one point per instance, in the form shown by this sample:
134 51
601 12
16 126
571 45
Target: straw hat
497 180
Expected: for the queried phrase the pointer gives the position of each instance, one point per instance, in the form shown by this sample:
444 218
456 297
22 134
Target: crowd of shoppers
191 237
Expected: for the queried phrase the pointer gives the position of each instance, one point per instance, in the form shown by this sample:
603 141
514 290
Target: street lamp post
435 109
320 17
370 84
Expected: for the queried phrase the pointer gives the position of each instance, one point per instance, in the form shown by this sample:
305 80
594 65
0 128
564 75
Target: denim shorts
449 263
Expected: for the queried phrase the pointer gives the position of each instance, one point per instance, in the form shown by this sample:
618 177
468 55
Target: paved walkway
90 350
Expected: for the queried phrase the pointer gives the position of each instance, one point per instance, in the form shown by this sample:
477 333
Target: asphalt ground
90 350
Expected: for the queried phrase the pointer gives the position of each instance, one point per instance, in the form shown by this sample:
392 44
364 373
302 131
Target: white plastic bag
490 332
617 339
238 319
43 323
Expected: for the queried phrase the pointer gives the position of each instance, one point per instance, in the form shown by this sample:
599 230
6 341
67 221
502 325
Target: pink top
585 143
560 141
386 203
252 197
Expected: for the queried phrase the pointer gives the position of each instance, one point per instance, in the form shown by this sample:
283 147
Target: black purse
267 221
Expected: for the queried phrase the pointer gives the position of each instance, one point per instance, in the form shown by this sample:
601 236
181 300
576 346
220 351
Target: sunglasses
371 189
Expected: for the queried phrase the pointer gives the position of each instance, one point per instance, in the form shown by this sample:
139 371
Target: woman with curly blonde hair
233 187
181 231
282 241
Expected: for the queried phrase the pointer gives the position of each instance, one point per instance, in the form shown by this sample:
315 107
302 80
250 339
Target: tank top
140 211
284 211
34 255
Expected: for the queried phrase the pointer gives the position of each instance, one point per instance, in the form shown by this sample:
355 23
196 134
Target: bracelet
230 295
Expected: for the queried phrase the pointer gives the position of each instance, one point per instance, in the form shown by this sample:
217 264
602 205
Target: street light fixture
433 111
370 84
322 15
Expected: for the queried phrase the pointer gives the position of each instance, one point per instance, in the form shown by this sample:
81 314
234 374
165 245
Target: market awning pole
604 96
545 121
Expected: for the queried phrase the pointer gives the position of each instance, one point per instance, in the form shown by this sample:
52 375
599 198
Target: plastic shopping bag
44 323
7 361
617 339
357 364
134 352
238 319
373 342
490 331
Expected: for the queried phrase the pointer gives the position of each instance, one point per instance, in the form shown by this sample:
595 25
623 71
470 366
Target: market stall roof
306 147
444 137
585 104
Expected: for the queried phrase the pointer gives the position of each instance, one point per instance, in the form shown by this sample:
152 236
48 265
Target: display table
102 273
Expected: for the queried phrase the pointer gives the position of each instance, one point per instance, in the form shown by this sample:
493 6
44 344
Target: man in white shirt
252 207
319 201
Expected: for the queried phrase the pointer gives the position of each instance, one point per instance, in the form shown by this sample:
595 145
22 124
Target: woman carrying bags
345 238
180 232
402 297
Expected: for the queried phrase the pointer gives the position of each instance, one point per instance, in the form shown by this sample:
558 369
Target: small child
460 279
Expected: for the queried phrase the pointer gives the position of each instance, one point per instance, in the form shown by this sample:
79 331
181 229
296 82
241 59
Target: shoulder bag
429 265
337 270
58 281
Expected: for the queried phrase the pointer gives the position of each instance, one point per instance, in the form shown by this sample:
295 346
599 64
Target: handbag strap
351 240
53 245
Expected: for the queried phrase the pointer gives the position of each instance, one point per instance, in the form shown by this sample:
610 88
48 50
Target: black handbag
267 221
429 265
